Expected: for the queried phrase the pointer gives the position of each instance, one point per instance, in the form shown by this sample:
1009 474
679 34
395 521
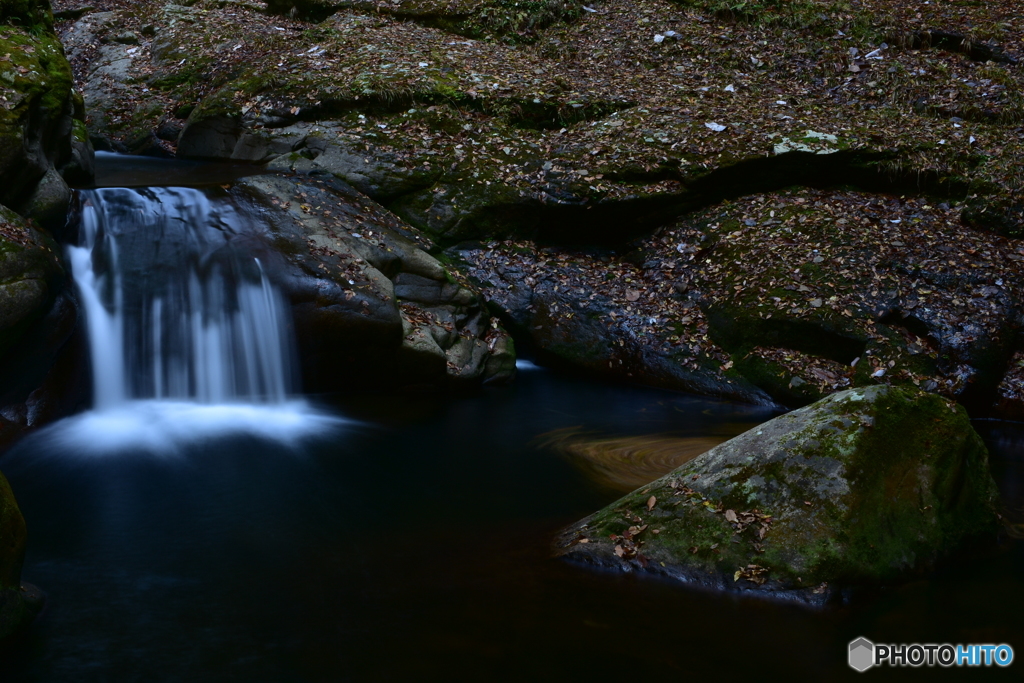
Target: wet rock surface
866 487
37 319
42 143
369 302
791 296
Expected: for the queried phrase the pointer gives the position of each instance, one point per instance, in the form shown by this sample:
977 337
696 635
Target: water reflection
130 170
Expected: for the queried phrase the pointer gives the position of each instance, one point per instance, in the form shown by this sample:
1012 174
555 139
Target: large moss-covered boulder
30 275
37 110
17 604
866 486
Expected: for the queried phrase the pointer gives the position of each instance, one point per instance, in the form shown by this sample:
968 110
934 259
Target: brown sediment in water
624 463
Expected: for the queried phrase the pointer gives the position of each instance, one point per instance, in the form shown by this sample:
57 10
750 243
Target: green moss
517 20
36 70
865 489
32 15
79 132
775 379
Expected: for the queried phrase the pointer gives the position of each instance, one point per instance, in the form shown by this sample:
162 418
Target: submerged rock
867 486
626 462
18 604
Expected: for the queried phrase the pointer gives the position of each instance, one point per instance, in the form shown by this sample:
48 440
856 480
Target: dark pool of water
130 170
414 546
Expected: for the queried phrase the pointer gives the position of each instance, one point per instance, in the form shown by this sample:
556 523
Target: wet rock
368 301
868 486
49 203
169 131
624 463
561 306
30 276
214 137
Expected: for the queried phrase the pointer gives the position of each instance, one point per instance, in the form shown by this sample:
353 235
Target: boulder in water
866 486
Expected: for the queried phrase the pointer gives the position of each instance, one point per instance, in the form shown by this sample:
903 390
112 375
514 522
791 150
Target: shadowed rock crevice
559 216
739 334
516 112
954 42
511 20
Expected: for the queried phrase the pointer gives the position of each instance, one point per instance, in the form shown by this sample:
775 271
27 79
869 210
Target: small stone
126 38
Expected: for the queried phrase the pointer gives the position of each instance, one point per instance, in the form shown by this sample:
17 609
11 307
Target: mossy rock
35 91
28 13
513 20
30 275
17 604
867 486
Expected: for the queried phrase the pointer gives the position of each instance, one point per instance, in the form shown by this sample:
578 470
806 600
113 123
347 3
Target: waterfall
173 310
189 339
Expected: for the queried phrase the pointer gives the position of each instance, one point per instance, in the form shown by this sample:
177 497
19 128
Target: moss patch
866 486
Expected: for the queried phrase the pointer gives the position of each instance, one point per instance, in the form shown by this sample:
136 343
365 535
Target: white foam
166 428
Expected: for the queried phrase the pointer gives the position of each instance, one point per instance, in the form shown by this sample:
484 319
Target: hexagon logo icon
862 654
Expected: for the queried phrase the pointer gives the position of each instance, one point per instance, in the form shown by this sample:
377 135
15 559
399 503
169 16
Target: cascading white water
189 339
172 311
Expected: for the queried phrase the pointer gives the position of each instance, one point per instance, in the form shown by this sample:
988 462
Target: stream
238 531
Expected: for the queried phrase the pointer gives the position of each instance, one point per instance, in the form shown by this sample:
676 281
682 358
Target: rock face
369 302
30 276
866 486
790 295
17 604
634 128
36 321
572 312
42 142
37 119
